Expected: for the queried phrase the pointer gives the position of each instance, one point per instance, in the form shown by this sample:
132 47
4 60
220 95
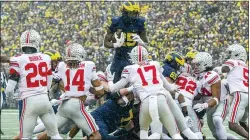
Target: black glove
185 113
115 96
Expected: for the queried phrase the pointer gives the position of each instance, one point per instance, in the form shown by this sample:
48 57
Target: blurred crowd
172 26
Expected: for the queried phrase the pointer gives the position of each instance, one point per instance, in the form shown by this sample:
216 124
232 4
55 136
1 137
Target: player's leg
181 123
243 121
218 118
28 118
167 118
236 112
196 122
66 127
144 119
82 118
210 122
48 117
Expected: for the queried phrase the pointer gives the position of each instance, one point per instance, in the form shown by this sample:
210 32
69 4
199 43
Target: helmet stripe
28 37
140 53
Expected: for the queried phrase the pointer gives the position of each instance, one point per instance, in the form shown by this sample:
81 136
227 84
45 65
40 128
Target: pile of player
150 101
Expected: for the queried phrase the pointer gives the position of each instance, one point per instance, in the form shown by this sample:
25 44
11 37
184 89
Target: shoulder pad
115 20
17 55
47 57
141 20
211 77
14 61
169 72
127 69
90 64
230 63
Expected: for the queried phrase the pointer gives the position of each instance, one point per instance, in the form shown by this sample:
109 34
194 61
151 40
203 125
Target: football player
77 76
132 30
148 83
110 116
237 77
187 85
210 89
171 71
32 72
222 109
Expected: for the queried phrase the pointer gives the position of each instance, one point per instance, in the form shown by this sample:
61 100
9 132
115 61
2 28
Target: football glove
189 121
199 107
110 76
120 41
138 39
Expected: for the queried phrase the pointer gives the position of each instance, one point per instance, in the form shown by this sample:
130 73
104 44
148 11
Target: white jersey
145 79
77 81
224 90
237 77
34 70
204 87
187 86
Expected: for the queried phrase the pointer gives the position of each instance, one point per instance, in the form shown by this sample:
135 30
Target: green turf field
10 126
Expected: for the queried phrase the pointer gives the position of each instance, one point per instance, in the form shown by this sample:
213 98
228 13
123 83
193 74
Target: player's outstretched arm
107 39
216 90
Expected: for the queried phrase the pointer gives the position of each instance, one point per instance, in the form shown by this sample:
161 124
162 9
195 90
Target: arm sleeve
230 63
118 85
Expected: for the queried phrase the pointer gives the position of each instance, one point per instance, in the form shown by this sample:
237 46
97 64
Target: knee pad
177 136
57 136
199 135
217 120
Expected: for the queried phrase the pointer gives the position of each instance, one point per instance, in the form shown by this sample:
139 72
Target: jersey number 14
146 69
78 80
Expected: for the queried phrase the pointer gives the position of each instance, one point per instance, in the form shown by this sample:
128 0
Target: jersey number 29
37 69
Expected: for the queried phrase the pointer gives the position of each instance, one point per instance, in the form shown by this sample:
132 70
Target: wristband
130 89
185 113
183 104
